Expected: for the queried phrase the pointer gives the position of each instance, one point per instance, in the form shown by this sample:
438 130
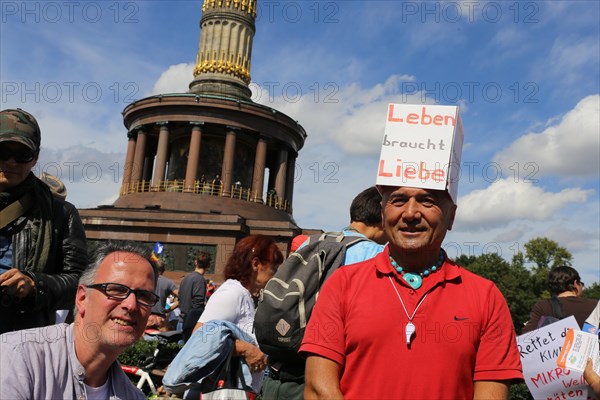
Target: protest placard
577 348
539 350
422 146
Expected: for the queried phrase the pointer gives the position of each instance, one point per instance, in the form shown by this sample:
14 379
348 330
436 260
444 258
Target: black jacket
56 284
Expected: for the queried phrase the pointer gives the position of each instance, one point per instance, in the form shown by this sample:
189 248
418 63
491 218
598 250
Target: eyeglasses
21 156
581 283
116 291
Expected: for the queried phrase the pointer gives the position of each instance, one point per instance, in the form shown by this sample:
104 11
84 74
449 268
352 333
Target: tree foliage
513 280
521 286
546 253
592 291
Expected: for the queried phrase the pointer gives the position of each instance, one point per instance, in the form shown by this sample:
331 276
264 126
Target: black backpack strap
15 209
556 307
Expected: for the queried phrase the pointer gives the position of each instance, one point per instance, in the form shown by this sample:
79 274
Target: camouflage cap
20 126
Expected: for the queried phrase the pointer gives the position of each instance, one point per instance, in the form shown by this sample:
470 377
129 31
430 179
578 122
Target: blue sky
525 75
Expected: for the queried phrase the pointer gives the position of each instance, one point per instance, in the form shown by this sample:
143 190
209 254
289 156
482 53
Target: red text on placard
409 171
423 119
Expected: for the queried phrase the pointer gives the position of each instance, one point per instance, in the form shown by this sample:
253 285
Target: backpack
286 302
556 313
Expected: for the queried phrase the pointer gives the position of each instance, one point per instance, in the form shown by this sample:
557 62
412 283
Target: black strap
232 372
556 307
15 209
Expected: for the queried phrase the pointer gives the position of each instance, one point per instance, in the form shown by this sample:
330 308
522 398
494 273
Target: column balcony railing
204 188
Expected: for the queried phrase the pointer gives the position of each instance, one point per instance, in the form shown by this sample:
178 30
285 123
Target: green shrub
141 350
134 355
519 392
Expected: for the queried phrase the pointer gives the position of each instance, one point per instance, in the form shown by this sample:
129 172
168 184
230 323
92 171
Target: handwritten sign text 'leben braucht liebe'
539 352
422 146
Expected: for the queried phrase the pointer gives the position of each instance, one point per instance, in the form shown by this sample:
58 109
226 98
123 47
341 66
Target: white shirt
99 393
231 302
594 318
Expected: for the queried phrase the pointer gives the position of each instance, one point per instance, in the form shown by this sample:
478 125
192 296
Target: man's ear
452 215
80 299
35 160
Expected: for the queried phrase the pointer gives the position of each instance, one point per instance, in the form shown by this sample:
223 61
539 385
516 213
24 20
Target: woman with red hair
252 263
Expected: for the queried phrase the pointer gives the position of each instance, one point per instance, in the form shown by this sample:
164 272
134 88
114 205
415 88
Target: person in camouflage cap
21 127
20 138
42 241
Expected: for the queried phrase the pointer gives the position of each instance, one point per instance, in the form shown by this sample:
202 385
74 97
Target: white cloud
509 42
175 79
513 234
326 182
93 194
352 116
82 164
568 148
505 201
571 57
574 227
570 66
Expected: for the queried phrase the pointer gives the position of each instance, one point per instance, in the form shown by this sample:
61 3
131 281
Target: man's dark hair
160 266
366 207
561 279
202 260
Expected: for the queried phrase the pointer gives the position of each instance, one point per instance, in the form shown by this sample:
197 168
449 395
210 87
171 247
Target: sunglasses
21 156
116 291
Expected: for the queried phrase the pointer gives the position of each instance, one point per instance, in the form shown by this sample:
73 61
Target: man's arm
54 289
491 390
322 378
199 294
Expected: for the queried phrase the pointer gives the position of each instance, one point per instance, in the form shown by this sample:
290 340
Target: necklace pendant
414 280
410 329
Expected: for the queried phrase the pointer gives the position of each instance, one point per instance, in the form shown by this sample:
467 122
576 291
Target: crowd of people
386 305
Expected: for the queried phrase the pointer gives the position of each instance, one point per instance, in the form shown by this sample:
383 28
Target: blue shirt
5 252
360 251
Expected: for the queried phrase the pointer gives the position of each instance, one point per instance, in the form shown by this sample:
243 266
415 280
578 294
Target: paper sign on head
422 146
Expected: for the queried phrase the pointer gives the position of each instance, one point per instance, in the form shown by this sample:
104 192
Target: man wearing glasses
42 240
567 299
78 361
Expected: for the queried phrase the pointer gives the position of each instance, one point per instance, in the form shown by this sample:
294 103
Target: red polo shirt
464 332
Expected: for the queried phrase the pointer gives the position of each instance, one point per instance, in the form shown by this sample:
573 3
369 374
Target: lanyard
410 327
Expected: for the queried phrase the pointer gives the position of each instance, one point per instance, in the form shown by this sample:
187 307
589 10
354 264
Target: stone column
148 167
228 159
191 171
161 155
291 175
258 176
280 177
127 168
140 153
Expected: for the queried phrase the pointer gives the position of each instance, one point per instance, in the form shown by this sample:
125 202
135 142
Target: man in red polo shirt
410 323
